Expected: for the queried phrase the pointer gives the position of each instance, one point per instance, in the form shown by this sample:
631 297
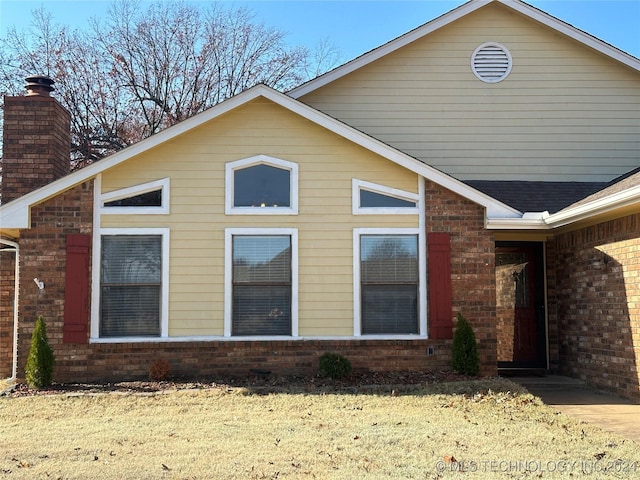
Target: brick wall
596 304
36 144
472 265
43 256
7 289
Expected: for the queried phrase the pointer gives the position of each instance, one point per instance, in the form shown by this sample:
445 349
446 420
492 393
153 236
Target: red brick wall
36 144
7 290
43 256
596 304
472 265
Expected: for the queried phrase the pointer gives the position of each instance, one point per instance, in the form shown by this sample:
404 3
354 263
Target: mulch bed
260 382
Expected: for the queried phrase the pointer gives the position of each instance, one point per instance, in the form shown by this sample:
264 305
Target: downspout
15 248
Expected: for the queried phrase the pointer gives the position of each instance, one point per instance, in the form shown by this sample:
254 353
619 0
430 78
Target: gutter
15 248
546 221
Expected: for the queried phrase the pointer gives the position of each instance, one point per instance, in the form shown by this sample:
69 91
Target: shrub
39 369
159 370
465 349
334 365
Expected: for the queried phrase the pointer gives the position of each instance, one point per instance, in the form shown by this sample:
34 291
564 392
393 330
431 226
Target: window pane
261 285
389 309
389 284
378 200
261 310
149 199
130 311
261 259
131 273
262 186
389 258
131 259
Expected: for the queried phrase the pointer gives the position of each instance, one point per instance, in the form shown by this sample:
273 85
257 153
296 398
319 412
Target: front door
520 305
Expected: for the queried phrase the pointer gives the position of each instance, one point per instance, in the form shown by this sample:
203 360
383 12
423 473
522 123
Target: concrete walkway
571 396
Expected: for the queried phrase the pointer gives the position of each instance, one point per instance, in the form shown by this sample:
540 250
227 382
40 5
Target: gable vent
491 62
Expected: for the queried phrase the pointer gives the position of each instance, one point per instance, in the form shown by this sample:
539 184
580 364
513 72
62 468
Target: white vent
491 62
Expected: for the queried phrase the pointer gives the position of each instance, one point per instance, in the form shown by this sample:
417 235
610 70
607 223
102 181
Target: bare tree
142 70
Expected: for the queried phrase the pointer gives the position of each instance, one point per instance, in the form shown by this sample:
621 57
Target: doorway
520 305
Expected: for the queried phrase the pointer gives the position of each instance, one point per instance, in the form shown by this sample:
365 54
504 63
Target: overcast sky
356 27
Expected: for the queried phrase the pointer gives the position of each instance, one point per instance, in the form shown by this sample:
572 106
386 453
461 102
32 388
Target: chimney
36 140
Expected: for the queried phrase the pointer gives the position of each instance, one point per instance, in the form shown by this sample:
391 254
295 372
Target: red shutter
439 271
76 293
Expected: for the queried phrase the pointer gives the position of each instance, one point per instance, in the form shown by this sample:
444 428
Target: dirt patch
256 381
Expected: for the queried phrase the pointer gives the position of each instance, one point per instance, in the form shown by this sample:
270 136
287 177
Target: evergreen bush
465 349
39 369
334 366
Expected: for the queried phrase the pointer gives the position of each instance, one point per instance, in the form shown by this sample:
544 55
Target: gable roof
450 17
16 214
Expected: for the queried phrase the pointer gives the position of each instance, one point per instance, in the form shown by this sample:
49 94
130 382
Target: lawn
488 428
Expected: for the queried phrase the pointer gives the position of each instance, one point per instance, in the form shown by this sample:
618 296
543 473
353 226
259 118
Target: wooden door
520 305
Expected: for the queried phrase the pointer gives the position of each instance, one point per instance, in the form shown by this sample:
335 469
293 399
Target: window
147 198
262 186
371 198
262 283
131 293
389 275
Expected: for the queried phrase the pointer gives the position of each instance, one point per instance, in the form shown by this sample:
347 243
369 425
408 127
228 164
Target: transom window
371 198
389 284
147 198
131 285
262 185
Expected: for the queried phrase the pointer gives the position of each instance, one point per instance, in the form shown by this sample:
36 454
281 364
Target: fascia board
452 16
601 206
573 32
16 214
388 48
494 207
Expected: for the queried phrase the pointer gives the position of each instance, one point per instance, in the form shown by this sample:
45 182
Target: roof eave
453 15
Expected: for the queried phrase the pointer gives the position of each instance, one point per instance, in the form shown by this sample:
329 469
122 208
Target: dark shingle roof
537 196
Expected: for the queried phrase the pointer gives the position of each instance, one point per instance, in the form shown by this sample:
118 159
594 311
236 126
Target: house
485 163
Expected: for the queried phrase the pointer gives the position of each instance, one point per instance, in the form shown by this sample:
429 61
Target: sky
355 27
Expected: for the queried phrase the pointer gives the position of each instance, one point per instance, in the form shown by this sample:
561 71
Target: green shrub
334 365
465 349
39 369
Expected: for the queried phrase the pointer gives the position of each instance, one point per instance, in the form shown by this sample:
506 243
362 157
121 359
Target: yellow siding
195 162
565 113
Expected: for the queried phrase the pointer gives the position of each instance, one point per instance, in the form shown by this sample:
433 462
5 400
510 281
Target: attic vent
491 62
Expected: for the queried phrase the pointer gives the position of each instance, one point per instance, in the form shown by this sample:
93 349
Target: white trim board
450 17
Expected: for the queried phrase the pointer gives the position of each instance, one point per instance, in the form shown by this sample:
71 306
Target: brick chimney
36 140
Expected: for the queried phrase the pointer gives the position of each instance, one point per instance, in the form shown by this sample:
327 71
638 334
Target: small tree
39 369
465 349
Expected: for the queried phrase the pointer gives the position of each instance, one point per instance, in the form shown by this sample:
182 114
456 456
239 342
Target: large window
131 285
389 284
262 297
262 185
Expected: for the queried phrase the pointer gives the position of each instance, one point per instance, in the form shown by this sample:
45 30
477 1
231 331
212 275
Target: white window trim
357 185
229 233
231 167
163 209
422 279
95 295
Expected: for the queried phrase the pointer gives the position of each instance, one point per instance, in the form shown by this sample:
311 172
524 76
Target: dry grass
240 433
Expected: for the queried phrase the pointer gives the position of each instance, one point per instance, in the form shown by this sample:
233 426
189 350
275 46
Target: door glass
511 269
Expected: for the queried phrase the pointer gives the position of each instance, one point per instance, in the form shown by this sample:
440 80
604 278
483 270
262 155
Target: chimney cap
39 85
